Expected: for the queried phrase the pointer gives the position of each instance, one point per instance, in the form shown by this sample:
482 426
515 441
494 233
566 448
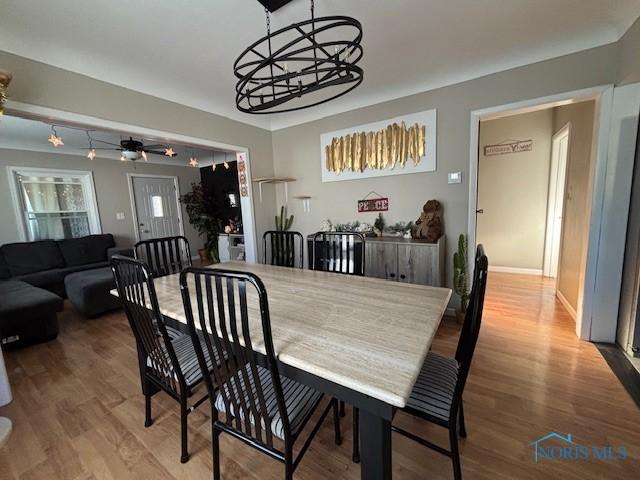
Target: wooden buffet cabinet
406 260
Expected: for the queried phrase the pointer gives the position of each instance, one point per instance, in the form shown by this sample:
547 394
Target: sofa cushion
22 302
90 249
29 257
4 268
44 279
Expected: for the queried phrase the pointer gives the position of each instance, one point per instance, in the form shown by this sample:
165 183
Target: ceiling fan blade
114 149
154 146
107 143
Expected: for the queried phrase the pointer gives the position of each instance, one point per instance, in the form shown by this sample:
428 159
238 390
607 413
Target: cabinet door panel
418 264
381 260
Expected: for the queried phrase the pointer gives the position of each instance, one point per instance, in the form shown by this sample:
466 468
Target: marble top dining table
368 335
361 340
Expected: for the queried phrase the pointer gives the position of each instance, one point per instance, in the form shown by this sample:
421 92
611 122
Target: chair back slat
164 256
221 308
338 252
134 282
471 326
283 248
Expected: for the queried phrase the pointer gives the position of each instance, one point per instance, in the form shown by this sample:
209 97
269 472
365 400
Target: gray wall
296 150
629 56
513 190
575 225
39 84
112 191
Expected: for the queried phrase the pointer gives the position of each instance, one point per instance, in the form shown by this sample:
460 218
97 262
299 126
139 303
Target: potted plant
204 215
379 225
461 277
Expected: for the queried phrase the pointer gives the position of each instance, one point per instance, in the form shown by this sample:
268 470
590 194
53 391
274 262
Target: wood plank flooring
78 412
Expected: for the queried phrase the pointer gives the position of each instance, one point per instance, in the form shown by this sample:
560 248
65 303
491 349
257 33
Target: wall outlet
454 177
119 215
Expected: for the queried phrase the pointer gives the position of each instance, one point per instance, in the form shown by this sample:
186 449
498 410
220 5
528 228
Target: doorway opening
555 200
532 172
139 173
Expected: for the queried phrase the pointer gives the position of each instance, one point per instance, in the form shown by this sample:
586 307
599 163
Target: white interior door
156 206
555 204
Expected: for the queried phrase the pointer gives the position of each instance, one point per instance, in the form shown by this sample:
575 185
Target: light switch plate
120 216
454 177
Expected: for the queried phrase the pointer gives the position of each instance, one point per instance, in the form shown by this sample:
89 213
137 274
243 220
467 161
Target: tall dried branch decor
376 150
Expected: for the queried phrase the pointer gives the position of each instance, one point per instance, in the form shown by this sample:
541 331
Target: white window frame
86 178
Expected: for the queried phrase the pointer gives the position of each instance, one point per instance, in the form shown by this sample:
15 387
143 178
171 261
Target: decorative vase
204 256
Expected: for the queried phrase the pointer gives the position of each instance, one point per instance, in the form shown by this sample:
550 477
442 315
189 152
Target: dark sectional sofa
32 282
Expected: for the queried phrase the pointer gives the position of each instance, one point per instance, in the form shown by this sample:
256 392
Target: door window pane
156 206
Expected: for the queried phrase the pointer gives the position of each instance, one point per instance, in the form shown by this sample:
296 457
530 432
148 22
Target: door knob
480 210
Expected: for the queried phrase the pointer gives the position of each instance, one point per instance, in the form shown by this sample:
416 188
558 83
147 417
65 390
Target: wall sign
242 175
373 205
400 145
510 147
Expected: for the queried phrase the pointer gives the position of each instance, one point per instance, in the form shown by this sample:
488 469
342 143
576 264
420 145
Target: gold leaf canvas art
401 145
388 148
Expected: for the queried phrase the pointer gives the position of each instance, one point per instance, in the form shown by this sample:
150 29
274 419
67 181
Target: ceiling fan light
169 152
144 155
193 161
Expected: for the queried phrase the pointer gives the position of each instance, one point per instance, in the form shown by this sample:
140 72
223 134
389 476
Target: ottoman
88 291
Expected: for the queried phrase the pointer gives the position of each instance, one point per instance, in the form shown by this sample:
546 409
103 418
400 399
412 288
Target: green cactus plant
282 222
460 273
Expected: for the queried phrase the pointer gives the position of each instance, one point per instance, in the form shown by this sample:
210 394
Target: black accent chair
166 358
338 252
437 394
260 405
283 248
164 256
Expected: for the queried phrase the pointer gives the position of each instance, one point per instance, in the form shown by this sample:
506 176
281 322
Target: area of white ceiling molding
184 51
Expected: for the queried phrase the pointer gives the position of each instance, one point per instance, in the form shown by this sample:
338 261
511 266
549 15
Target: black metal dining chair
437 394
283 248
166 362
164 256
259 404
338 252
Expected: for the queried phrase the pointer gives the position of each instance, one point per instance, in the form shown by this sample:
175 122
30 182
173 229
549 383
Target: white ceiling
32 135
184 50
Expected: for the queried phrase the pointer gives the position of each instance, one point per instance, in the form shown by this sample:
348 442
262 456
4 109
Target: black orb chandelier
316 59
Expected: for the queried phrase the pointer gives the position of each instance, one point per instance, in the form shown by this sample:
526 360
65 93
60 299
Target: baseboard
521 271
566 304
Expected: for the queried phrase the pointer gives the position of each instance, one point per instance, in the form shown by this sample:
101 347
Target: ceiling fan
134 149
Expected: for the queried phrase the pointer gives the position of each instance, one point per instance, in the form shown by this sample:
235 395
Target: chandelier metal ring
310 62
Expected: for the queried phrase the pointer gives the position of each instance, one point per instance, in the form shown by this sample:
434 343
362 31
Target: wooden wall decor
400 145
508 147
242 175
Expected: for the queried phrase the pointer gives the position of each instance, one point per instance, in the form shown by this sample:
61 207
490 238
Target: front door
156 205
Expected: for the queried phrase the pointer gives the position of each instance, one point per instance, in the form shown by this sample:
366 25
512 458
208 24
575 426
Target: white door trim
88 182
565 131
603 96
37 112
132 199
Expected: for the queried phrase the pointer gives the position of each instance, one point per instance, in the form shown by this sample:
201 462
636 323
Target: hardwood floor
78 412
